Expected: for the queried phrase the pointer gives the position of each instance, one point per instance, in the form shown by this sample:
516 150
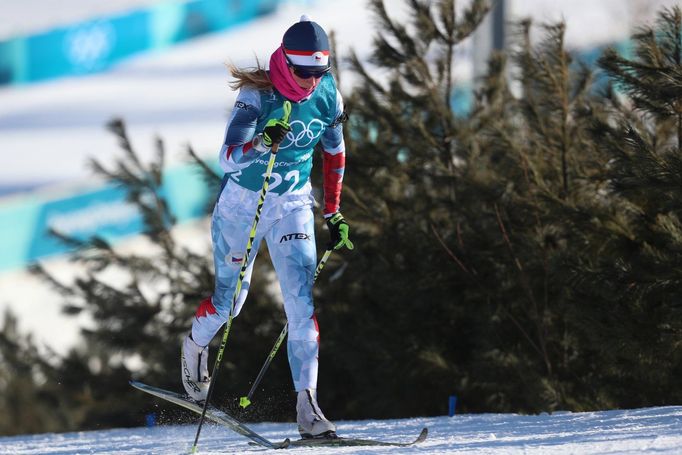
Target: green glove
338 230
275 131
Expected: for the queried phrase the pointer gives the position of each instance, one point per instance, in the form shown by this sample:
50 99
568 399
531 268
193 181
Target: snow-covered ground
649 431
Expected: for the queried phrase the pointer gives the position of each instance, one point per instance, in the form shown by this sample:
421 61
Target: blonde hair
257 77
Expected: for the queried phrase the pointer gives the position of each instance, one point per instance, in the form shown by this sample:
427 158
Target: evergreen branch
39 271
447 13
452 255
210 176
336 69
526 286
424 21
448 18
156 167
117 127
359 68
356 198
486 291
473 16
387 55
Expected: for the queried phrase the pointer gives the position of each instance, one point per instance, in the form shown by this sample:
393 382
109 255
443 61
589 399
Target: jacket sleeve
239 148
333 160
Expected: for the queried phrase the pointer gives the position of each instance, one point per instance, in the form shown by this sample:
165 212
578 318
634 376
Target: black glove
274 131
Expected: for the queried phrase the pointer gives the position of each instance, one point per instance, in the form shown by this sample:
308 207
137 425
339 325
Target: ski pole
242 273
244 402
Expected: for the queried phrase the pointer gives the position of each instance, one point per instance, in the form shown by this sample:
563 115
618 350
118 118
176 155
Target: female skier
299 72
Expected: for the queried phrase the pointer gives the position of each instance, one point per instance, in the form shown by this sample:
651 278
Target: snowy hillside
31 16
653 430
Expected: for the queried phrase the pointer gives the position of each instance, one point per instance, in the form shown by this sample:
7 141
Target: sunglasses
305 73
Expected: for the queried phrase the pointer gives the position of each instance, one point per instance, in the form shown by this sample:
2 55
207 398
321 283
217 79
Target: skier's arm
333 160
240 147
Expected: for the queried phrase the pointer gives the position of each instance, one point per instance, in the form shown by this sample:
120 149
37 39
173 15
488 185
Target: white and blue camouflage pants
287 226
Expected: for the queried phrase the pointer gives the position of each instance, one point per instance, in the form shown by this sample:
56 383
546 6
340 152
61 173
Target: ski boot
194 369
312 424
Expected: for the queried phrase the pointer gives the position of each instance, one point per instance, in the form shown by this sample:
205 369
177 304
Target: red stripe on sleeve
332 169
245 148
229 150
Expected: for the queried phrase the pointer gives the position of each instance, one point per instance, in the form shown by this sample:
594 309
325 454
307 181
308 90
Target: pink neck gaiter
282 79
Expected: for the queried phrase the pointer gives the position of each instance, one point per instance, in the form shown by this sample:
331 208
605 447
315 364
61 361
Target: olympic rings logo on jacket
302 135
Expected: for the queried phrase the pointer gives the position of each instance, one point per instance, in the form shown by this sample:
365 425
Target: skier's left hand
338 230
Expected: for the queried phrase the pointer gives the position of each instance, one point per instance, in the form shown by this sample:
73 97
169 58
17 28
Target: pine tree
398 291
28 384
636 273
535 144
477 236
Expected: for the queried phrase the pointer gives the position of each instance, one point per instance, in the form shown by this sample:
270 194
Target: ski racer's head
306 49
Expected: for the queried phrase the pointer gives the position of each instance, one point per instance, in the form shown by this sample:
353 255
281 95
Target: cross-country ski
351 442
212 413
225 419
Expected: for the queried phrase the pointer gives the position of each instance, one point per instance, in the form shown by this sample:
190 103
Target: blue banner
103 211
94 45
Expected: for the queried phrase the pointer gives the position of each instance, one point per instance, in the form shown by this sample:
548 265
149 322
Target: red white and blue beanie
306 45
